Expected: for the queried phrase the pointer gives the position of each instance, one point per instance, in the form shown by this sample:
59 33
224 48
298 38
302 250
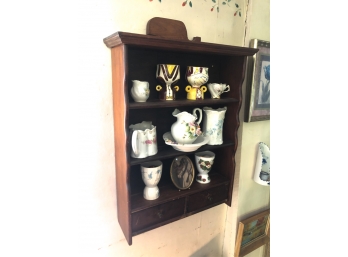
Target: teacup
217 89
144 139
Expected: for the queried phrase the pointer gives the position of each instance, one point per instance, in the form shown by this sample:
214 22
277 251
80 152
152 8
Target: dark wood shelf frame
135 56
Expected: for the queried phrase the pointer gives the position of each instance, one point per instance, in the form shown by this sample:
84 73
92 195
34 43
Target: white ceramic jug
140 91
144 139
213 123
186 130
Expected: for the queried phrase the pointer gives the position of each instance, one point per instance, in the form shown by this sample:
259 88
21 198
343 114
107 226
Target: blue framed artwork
258 94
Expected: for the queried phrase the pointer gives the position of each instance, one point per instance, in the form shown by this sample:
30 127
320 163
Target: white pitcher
213 123
140 91
144 139
186 129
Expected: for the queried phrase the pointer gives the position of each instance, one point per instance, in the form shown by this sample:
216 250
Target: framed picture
182 172
258 95
252 233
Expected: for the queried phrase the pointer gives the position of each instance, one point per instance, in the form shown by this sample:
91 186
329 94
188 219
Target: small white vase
262 173
204 162
213 123
151 174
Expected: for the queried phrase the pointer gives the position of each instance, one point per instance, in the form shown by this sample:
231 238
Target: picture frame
257 107
253 233
182 172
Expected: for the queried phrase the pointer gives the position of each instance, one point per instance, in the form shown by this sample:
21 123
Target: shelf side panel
120 113
233 72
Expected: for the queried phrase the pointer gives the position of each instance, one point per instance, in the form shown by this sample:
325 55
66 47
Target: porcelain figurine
140 90
196 77
167 75
186 129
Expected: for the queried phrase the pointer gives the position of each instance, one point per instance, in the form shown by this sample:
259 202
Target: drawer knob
209 197
160 214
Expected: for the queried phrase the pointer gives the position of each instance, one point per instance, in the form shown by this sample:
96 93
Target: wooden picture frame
257 107
182 172
253 233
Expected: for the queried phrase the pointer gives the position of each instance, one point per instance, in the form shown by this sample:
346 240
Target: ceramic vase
204 162
213 123
196 77
144 139
151 173
262 173
167 75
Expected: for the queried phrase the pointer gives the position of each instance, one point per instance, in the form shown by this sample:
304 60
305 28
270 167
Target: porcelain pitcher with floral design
186 129
144 139
140 91
213 123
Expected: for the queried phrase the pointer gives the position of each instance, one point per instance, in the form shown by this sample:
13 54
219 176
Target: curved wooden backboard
168 28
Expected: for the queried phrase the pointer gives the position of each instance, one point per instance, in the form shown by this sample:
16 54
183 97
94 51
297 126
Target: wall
252 197
57 142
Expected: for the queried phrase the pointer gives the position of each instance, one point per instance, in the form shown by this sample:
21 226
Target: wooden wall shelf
134 57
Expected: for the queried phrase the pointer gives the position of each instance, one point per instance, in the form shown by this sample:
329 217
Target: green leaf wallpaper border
216 5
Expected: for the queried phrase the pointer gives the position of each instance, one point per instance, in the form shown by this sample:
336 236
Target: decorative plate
182 172
169 140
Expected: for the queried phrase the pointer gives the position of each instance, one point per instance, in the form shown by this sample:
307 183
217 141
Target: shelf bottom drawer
157 214
204 199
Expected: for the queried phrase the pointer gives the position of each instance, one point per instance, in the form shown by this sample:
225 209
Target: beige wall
57 144
253 197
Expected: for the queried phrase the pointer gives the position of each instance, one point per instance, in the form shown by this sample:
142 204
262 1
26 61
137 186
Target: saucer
169 140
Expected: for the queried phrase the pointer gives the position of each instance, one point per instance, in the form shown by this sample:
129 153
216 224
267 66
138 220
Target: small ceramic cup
140 91
217 89
204 162
151 174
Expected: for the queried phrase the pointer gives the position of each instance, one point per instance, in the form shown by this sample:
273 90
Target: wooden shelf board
170 192
169 152
176 103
